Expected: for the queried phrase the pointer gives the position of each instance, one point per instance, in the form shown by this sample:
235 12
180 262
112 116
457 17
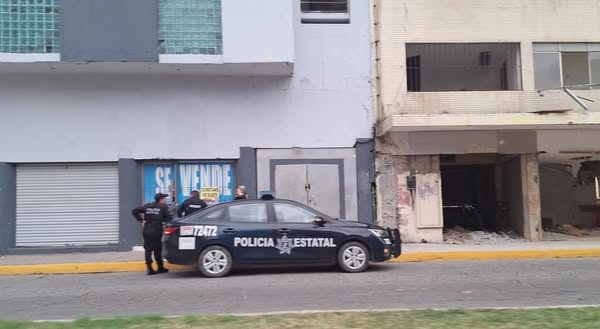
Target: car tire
353 257
215 262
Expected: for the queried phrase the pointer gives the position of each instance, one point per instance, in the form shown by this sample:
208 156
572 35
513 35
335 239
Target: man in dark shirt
152 216
191 205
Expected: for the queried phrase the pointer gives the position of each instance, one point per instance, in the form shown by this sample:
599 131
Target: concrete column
365 176
130 196
8 206
246 170
532 225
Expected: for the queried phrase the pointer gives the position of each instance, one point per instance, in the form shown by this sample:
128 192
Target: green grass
580 318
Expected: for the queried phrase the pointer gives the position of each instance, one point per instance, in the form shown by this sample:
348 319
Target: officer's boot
161 267
149 268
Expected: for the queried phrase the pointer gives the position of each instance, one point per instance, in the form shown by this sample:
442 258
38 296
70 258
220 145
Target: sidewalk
79 263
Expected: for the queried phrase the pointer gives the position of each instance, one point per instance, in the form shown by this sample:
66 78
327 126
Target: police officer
241 193
152 216
191 205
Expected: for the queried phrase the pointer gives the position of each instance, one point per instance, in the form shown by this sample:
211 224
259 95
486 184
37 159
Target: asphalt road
384 286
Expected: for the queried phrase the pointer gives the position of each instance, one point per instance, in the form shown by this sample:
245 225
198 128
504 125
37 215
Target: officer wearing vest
152 216
191 205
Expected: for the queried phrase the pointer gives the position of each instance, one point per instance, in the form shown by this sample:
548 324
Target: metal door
315 185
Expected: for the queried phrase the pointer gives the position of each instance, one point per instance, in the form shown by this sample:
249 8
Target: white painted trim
28 58
190 59
488 121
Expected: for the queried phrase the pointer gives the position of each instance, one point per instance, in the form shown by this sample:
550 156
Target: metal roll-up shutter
67 205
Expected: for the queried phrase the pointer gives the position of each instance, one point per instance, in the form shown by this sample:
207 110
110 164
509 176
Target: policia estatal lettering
152 216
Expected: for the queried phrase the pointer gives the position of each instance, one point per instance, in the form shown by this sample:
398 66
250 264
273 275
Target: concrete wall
79 117
524 22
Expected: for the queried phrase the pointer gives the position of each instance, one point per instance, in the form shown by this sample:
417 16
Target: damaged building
487 116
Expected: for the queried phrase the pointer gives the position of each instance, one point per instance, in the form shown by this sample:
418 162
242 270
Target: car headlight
378 233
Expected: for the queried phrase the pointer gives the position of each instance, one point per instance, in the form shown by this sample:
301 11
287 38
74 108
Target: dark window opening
463 67
413 73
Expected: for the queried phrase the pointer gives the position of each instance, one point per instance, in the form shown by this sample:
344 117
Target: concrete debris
568 229
459 235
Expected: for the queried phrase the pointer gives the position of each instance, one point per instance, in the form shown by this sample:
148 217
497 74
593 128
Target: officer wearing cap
152 216
191 205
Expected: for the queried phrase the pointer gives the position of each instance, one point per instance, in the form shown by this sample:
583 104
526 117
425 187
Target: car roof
228 203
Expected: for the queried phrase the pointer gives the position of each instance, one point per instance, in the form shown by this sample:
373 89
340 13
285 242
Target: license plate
387 241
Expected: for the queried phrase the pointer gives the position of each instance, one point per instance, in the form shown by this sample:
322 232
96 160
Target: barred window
325 11
29 26
190 27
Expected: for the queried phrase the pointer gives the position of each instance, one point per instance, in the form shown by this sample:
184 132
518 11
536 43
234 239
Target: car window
287 213
253 212
217 214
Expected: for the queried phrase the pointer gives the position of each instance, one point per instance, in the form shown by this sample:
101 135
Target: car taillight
169 230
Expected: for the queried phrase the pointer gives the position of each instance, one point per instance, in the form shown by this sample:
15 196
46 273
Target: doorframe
273 163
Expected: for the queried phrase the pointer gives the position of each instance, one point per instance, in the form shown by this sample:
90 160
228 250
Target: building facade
474 127
105 103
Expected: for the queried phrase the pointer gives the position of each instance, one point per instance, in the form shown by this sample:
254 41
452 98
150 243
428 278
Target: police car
276 232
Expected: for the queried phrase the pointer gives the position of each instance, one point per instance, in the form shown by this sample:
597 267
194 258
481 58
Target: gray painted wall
129 196
109 30
365 176
252 36
246 170
327 103
8 206
347 156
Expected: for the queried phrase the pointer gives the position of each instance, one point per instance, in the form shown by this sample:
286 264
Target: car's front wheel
353 257
215 262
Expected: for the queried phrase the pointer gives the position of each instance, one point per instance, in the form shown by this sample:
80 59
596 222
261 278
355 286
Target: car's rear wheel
215 262
353 257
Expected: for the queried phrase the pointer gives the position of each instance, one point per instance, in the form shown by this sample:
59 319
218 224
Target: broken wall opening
570 197
485 196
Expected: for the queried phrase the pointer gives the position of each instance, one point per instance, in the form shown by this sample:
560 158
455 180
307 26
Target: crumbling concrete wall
396 200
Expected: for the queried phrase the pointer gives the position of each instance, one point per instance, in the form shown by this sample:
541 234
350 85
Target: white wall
327 103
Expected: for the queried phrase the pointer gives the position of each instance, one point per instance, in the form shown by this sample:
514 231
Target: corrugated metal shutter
67 205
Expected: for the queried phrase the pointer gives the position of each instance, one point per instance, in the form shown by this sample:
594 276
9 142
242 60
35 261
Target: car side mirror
319 220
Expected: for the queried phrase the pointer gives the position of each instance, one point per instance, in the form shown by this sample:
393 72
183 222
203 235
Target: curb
494 255
140 266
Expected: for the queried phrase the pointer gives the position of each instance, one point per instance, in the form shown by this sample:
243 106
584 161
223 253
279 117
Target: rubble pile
458 235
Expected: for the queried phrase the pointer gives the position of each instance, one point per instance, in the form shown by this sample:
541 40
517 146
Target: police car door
249 233
300 239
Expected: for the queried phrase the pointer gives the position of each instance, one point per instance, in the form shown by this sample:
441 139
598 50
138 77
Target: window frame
276 218
317 17
237 204
561 48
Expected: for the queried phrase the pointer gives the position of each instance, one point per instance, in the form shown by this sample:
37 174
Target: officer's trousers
153 245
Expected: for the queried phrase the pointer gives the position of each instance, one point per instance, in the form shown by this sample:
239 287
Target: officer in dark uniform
152 216
191 205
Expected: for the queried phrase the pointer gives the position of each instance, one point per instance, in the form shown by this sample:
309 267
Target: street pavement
385 286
